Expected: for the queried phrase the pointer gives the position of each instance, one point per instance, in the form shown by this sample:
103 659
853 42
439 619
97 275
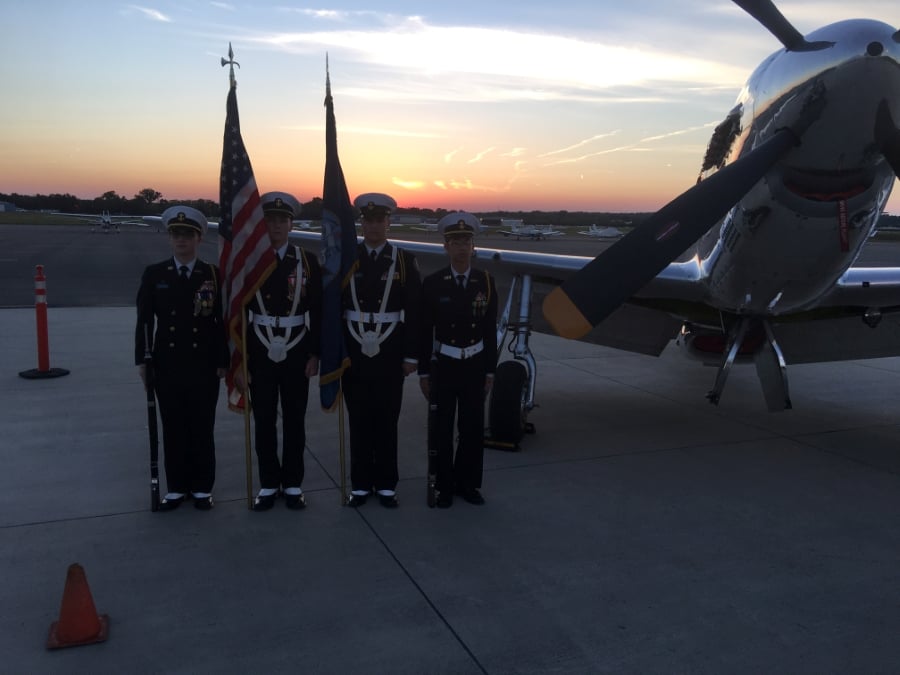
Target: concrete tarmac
639 530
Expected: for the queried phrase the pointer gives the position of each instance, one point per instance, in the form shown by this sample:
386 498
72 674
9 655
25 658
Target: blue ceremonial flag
338 256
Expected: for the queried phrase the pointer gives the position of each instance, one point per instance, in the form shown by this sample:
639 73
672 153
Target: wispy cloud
448 157
579 144
154 14
679 132
408 184
368 131
501 64
637 146
481 155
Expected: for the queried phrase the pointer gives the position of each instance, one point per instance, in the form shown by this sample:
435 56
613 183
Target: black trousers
270 382
460 387
373 408
187 406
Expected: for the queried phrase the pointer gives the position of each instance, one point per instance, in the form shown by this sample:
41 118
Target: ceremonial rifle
151 421
432 434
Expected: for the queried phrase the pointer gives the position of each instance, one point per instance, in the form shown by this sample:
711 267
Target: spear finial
327 81
230 61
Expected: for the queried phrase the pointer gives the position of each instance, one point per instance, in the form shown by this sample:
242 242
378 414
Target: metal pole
246 396
343 460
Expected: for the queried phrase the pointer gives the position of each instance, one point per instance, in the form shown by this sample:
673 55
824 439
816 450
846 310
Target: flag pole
232 63
342 454
246 393
247 443
338 254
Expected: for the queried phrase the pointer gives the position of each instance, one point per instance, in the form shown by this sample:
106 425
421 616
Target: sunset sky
526 105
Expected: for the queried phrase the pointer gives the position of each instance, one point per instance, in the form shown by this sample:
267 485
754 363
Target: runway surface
640 530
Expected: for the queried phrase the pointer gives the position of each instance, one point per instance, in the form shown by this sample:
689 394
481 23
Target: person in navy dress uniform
283 328
180 298
459 327
381 314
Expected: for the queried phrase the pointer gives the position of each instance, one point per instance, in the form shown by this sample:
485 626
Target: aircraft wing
645 325
98 217
653 316
866 287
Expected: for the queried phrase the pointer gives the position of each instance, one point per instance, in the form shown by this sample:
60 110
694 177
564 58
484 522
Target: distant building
7 206
400 219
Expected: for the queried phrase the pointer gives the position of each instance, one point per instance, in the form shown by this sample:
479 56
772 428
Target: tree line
150 202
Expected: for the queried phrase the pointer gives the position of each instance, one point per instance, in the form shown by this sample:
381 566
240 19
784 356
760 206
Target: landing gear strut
770 364
512 396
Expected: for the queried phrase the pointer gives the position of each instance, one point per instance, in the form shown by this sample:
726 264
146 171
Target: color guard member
381 313
459 326
282 354
181 297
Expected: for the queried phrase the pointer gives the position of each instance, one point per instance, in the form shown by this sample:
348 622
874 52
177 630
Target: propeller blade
773 20
887 136
601 286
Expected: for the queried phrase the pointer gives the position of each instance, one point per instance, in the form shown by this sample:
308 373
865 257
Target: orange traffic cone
78 622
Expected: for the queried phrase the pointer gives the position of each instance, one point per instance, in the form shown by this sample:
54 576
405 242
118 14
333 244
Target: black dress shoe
264 502
389 501
444 501
472 496
170 504
295 502
203 503
356 501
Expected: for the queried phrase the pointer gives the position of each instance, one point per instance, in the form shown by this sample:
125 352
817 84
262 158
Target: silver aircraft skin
774 280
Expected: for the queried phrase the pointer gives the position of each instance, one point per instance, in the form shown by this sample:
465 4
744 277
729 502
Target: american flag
246 257
338 256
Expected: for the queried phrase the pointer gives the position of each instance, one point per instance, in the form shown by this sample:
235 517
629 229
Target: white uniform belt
373 317
277 321
460 352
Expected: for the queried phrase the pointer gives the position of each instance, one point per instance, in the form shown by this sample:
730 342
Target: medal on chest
291 285
204 299
479 304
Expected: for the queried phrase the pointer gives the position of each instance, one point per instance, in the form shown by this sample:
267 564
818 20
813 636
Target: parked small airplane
106 223
602 232
518 230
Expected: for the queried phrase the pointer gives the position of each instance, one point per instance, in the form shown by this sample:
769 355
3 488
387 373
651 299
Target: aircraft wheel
506 414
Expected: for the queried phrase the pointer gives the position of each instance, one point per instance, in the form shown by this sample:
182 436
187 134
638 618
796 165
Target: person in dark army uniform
381 314
459 326
283 329
180 295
